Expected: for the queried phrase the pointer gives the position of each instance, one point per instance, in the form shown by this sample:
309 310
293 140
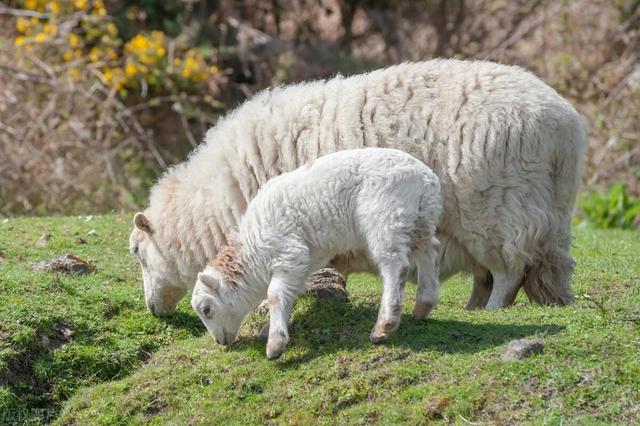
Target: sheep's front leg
393 280
280 298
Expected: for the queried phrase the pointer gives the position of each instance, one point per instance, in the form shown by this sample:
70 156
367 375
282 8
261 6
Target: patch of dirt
3 256
154 408
43 240
434 407
67 264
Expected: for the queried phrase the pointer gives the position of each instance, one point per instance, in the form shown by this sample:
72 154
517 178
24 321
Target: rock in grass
43 240
67 264
521 349
328 283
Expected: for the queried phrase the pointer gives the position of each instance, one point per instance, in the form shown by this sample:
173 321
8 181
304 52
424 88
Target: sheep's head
220 305
162 289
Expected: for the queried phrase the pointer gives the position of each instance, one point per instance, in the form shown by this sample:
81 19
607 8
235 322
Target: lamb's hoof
422 310
378 338
382 330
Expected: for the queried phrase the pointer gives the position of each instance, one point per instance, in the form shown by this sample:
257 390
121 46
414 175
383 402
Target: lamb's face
216 303
162 289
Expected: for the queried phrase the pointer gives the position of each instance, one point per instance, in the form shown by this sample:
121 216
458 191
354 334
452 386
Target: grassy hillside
80 350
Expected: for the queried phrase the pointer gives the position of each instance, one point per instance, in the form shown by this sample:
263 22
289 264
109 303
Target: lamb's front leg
280 297
394 276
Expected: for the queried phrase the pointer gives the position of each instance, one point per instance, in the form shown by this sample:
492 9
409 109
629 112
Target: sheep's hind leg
393 275
428 282
280 297
481 291
505 289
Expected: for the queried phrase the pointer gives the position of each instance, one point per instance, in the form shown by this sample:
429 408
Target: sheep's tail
548 281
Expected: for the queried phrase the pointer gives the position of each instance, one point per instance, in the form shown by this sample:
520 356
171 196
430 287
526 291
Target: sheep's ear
141 222
209 281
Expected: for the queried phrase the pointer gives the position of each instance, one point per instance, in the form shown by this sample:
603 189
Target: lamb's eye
206 310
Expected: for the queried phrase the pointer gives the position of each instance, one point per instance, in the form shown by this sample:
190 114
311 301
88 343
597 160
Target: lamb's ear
141 222
209 281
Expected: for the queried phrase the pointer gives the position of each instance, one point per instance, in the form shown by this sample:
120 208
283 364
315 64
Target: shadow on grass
327 327
186 321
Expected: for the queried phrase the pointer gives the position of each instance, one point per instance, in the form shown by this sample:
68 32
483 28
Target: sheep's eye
206 310
134 249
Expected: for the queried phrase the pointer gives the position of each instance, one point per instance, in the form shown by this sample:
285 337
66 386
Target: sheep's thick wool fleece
507 149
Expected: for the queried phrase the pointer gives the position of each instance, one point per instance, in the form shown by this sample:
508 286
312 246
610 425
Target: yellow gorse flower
22 25
130 69
74 40
54 7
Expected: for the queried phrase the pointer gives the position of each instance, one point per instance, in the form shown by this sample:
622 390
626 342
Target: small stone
328 283
67 264
521 349
43 240
92 232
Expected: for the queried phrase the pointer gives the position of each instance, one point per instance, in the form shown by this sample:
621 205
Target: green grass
83 350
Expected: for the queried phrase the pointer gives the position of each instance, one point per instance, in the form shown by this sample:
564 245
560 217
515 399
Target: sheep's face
219 306
162 290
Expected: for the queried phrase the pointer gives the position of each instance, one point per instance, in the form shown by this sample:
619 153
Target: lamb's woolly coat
507 148
383 202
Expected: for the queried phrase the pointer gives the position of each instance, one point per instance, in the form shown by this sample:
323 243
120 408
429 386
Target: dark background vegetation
72 140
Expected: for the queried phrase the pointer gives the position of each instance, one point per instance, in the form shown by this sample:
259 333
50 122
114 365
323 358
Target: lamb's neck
255 268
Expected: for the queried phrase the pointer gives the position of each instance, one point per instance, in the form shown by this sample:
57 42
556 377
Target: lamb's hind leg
505 289
428 282
393 275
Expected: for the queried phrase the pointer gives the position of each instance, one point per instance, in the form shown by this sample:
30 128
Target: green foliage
611 209
84 350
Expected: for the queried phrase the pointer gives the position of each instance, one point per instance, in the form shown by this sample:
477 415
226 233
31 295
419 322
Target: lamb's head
163 288
220 305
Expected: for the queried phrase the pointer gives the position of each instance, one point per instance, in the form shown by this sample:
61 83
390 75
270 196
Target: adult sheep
507 148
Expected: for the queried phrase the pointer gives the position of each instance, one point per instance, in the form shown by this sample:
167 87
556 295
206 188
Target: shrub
611 209
83 108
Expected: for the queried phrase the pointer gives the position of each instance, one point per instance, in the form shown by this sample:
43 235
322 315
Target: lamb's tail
548 280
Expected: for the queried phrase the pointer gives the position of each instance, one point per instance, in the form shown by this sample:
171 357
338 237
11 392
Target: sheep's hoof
422 310
275 349
274 352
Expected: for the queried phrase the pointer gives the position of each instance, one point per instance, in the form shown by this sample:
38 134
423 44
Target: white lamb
380 201
506 147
